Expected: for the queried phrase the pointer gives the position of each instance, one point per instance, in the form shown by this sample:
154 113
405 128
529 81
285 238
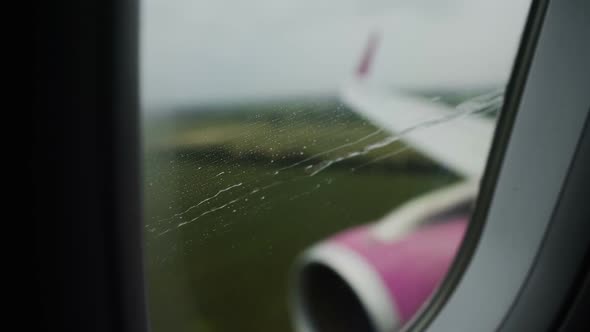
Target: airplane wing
460 143
452 137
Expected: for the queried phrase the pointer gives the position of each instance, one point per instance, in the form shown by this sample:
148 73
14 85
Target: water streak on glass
252 154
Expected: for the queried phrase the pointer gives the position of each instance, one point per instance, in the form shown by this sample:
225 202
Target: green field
233 193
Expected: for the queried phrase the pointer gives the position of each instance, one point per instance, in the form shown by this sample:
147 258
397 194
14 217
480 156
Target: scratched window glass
312 165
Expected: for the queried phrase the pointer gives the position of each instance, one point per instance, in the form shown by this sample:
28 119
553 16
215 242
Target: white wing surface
457 139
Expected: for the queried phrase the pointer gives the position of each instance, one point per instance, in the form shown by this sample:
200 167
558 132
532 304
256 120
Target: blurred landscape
250 157
234 192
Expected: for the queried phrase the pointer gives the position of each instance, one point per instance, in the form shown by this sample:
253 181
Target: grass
231 201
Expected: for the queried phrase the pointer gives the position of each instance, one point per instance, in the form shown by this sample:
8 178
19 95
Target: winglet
367 59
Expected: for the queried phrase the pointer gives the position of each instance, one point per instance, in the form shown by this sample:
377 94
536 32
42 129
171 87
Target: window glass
313 164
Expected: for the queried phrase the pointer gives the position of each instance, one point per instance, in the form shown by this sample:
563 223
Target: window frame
90 270
85 165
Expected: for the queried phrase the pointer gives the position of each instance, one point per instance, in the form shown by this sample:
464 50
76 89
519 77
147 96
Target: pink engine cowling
355 281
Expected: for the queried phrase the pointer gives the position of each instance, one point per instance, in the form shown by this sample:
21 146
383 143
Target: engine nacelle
375 277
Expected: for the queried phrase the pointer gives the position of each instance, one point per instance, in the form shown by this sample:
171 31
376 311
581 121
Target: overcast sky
197 51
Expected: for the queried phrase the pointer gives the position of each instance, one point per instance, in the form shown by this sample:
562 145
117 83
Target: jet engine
375 277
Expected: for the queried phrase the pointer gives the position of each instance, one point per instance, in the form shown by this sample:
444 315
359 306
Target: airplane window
312 165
